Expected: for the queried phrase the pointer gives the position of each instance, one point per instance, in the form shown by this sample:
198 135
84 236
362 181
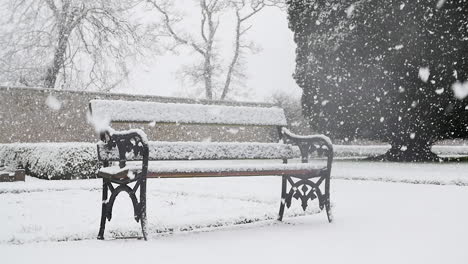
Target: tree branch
177 37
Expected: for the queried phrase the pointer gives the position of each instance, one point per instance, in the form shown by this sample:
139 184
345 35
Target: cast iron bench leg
283 198
327 199
104 210
142 216
138 207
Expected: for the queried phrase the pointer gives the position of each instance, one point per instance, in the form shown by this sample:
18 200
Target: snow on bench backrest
160 150
137 111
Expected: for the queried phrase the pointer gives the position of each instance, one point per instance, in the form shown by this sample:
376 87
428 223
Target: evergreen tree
384 70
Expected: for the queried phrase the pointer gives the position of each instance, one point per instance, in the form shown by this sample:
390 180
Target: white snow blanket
70 210
119 110
375 222
374 150
448 173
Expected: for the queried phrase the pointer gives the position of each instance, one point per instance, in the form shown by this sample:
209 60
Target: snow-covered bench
8 174
139 159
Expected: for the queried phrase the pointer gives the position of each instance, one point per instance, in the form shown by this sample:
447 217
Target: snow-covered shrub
390 71
71 160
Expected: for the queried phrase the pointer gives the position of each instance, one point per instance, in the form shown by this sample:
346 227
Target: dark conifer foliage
383 70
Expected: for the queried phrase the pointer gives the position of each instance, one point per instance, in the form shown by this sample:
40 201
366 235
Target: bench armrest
309 144
128 142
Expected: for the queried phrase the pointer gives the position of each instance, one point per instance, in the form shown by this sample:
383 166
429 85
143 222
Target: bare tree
291 103
216 78
65 43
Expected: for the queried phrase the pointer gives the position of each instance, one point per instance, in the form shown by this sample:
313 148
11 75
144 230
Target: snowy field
231 220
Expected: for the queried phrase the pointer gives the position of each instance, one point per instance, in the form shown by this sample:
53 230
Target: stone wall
26 117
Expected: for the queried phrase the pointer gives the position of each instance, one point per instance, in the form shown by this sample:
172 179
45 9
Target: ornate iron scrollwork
130 145
304 190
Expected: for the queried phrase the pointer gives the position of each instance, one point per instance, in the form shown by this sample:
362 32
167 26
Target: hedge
55 161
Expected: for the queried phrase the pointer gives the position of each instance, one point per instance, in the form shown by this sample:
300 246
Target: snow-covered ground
202 220
451 173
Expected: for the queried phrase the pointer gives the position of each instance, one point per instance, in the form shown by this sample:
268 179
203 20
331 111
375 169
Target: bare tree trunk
59 59
207 16
66 18
207 75
233 63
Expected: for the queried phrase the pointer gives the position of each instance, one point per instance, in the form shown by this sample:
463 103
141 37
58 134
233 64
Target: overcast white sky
269 70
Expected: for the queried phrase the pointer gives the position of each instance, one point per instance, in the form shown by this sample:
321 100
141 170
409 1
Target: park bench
9 174
181 130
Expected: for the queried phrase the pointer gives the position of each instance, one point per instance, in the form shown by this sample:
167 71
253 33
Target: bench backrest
207 131
193 122
136 111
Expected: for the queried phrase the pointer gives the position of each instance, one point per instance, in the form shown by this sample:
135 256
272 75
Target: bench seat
213 170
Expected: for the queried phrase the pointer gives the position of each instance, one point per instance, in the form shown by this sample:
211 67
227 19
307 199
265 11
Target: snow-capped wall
49 115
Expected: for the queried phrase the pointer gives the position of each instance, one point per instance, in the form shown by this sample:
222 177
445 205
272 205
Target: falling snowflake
207 139
440 91
100 123
424 74
235 131
440 3
349 11
460 90
53 103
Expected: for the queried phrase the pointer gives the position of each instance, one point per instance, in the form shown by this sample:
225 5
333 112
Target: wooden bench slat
137 111
162 150
217 170
311 173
